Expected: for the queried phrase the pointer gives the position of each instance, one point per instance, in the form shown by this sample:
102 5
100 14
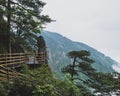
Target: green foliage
81 63
81 66
5 88
74 89
23 19
44 90
24 69
38 82
107 83
79 54
21 88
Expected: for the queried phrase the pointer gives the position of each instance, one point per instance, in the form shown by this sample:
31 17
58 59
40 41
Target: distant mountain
58 47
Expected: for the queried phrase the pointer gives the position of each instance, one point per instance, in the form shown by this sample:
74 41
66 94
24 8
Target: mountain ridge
59 46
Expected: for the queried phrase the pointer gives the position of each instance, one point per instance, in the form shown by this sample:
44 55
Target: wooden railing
8 74
10 61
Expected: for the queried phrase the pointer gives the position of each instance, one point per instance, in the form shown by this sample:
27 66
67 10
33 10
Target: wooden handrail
10 60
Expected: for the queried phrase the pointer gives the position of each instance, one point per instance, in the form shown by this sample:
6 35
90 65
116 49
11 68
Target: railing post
12 65
20 58
26 58
34 57
7 67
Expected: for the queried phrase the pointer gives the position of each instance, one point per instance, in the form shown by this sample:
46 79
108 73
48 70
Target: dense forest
20 21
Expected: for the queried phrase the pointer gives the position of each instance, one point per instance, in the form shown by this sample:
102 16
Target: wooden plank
12 57
2 79
9 74
15 63
12 54
12 60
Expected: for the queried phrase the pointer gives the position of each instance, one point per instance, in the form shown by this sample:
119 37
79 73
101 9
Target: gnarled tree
81 65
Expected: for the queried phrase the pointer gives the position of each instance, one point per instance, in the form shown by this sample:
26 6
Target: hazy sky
93 22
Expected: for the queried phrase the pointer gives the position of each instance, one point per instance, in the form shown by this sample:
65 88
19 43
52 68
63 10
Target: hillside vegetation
58 47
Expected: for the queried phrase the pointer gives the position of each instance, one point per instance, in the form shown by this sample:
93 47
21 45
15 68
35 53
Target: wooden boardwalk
8 62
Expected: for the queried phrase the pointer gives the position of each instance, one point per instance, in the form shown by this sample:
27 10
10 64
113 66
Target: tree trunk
8 24
73 66
72 75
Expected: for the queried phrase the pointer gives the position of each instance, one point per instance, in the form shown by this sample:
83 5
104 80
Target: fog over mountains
58 46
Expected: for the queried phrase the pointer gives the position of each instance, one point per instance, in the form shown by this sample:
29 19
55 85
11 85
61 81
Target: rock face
59 46
42 49
41 44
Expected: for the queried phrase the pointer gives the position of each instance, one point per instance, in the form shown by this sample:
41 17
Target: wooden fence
10 61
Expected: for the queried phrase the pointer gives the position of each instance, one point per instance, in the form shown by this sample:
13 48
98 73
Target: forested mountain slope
58 46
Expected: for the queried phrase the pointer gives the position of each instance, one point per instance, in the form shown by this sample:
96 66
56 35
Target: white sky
93 22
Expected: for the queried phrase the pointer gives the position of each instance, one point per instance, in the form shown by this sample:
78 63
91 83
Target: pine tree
23 19
81 65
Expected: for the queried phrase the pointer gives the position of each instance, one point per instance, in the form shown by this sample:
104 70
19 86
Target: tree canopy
81 63
80 70
23 19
